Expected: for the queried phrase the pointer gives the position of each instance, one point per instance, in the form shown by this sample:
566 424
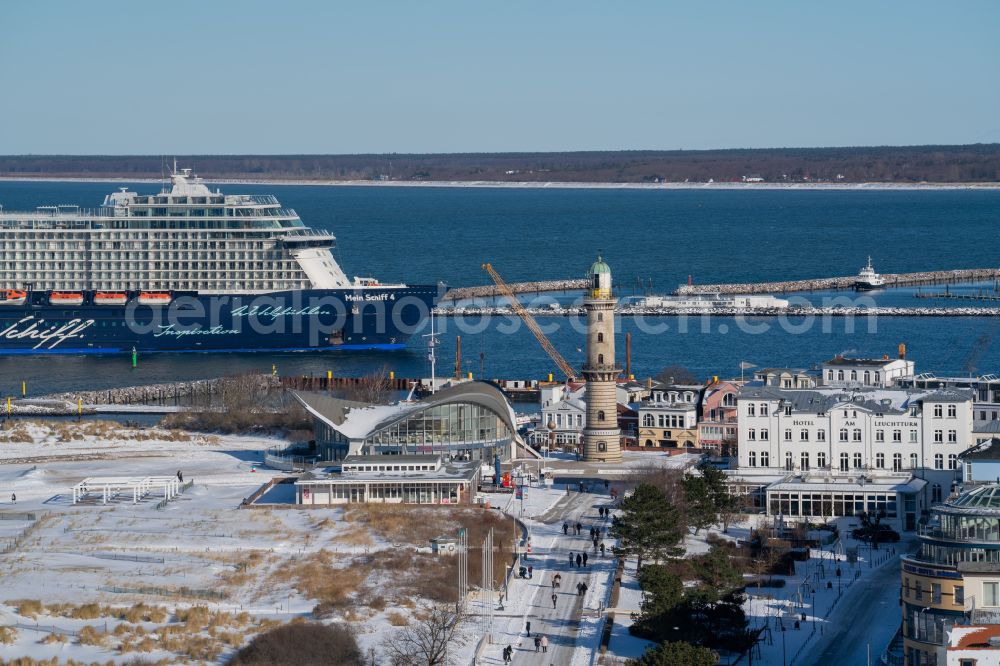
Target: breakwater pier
791 312
733 288
836 283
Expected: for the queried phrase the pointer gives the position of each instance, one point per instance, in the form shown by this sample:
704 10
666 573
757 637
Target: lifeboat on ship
65 298
154 298
13 297
110 298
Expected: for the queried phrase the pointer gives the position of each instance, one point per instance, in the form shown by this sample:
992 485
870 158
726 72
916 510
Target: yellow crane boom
530 323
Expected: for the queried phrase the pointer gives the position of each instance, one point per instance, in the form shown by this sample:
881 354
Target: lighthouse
601 436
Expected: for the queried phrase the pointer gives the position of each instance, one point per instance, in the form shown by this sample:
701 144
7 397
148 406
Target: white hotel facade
831 451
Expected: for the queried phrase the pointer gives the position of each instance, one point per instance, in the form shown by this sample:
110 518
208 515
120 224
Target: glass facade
819 505
463 431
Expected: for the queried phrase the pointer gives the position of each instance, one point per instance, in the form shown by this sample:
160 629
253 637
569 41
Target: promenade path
573 626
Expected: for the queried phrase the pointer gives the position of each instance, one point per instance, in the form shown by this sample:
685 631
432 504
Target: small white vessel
868 279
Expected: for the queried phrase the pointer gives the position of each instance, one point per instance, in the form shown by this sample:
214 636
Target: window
821 435
843 462
804 461
765 459
937 411
840 375
877 376
763 434
753 458
938 436
880 460
936 492
854 375
843 434
751 434
829 375
952 461
788 460
868 378
990 592
913 436
600 415
938 461
729 400
857 461
918 590
952 411
880 435
750 409
647 420
857 434
897 462
788 434
600 337
897 435
600 359
952 436
788 410
959 595
936 593
804 435
763 409
821 458
913 461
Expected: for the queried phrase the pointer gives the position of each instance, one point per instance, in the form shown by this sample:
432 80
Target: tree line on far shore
973 163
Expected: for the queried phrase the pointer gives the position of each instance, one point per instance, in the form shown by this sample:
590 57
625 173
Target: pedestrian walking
579 528
545 643
527 628
13 498
558 581
538 643
583 588
571 558
579 589
554 597
585 558
554 582
507 653
566 528
595 545
531 570
579 559
602 549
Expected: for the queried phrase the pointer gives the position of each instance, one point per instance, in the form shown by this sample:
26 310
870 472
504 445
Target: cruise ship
188 270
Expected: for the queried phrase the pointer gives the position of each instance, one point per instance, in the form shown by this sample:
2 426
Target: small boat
868 279
110 298
154 298
65 298
13 297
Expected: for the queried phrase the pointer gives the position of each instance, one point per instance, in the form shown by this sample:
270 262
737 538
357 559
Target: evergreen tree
648 526
677 654
716 570
661 590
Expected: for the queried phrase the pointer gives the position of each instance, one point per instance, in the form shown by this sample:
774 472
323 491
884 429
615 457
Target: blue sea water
422 235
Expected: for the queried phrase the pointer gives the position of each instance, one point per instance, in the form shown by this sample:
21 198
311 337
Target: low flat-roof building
467 421
382 479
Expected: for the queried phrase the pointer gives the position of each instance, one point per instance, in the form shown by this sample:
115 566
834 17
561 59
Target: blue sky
297 76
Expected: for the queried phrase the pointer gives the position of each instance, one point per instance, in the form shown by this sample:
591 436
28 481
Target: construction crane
530 322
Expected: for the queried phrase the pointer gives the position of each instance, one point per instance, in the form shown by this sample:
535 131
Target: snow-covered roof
879 400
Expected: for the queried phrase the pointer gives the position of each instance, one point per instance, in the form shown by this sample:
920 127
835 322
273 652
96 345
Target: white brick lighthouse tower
601 437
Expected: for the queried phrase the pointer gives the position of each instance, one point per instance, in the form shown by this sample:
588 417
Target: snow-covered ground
199 549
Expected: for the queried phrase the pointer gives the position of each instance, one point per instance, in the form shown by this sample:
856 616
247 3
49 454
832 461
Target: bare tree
676 374
425 641
373 388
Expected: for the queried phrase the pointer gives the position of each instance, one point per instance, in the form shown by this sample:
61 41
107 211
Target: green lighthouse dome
599 267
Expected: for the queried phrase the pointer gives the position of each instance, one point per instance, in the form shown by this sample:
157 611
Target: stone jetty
823 284
792 312
491 291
